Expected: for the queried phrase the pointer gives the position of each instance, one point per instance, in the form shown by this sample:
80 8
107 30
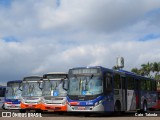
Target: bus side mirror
20 87
40 85
87 87
66 76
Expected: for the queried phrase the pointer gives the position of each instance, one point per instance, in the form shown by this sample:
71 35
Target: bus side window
117 81
130 83
154 86
123 82
148 85
137 84
143 84
108 79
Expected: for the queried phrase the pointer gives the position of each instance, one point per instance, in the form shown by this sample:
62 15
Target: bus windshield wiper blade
87 81
13 92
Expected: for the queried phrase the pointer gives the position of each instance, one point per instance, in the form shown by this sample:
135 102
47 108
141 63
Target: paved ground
78 116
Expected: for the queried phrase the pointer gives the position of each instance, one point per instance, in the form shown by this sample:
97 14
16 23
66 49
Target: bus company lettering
151 114
26 114
146 114
74 103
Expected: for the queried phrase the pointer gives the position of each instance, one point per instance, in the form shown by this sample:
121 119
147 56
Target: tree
146 69
135 70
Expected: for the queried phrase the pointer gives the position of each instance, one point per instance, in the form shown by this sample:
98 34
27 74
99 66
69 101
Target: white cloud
76 33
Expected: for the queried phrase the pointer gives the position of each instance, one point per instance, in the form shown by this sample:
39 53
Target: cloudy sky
40 36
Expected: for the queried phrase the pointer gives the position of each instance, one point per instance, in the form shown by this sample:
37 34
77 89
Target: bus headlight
63 103
96 104
99 102
39 102
22 100
42 100
68 103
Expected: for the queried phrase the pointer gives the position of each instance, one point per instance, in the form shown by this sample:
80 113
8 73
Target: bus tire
144 110
152 109
3 107
117 108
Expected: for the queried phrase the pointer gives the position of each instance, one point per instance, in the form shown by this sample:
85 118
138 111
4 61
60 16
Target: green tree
146 69
135 70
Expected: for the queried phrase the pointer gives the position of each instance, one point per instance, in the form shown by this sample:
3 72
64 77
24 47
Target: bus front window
85 85
31 89
53 88
12 91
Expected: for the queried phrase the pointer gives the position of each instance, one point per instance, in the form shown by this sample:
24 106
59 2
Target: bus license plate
30 106
81 108
13 106
50 110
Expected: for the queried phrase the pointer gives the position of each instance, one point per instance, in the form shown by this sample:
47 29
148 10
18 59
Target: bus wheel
152 109
117 108
22 110
144 110
3 107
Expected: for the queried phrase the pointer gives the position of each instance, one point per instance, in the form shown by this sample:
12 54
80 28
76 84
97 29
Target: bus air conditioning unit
120 62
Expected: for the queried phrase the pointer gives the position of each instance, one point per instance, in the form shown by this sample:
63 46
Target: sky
41 36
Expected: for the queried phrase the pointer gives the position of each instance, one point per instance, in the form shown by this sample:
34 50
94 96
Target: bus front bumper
52 107
11 106
30 106
98 108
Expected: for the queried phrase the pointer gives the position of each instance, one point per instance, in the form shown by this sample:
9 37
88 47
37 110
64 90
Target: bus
31 94
54 92
13 94
2 96
99 89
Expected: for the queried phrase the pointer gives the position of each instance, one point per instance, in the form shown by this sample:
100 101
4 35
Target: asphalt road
15 115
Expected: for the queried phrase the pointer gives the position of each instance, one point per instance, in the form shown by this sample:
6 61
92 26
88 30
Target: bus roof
14 81
103 68
50 73
124 72
29 78
33 76
1 86
134 74
87 67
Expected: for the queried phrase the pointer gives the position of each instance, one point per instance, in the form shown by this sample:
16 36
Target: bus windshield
54 88
31 89
85 85
12 91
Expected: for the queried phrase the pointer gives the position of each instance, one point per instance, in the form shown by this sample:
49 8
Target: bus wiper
31 89
89 79
28 90
13 92
80 85
55 86
86 85
19 87
50 85
39 85
92 76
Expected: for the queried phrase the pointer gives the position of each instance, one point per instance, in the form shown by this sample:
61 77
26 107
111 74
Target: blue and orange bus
54 92
2 96
31 94
13 94
99 89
